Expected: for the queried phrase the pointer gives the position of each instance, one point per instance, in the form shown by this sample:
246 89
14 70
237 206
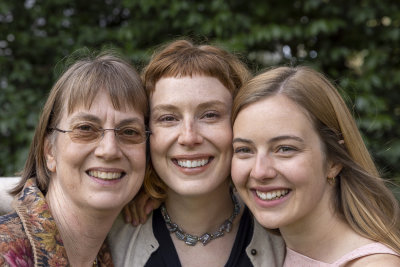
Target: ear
333 168
48 153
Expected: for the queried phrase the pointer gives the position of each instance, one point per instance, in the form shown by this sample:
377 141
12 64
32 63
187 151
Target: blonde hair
362 198
78 87
181 58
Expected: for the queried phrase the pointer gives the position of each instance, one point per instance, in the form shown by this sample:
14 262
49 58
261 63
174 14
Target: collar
40 227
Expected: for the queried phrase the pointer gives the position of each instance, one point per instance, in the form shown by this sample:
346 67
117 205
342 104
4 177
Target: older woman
87 160
300 165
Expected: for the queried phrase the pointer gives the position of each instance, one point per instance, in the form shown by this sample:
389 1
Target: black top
167 256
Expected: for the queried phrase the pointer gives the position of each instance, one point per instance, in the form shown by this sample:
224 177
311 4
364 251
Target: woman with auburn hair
302 168
201 222
86 162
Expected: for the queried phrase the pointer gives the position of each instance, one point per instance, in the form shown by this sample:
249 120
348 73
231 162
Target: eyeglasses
86 134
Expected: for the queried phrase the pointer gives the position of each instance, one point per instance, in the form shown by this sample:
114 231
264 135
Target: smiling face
105 174
279 166
191 133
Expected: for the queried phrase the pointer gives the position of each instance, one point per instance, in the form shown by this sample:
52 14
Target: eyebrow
285 137
272 140
164 107
131 121
241 140
85 116
212 104
93 118
201 106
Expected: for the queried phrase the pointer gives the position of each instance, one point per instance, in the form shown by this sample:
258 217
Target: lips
105 175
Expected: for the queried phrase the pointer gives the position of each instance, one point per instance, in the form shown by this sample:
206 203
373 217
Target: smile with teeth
105 175
192 163
272 195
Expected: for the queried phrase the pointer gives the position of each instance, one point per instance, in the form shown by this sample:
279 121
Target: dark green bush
356 43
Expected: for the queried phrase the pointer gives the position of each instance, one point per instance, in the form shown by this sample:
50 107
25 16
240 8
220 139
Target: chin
190 193
195 188
266 220
108 203
108 207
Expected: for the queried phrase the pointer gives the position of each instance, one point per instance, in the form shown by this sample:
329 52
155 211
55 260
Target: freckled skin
190 117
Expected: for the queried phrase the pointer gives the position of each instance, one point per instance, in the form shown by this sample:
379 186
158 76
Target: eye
129 131
85 127
286 149
210 115
167 118
242 150
84 132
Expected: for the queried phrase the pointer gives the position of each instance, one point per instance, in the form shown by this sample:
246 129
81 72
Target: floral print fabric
29 236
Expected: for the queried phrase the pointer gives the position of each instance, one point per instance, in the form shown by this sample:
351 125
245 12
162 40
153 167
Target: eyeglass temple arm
57 129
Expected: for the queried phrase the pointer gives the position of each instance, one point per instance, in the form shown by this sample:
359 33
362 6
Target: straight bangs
182 59
119 80
84 76
199 64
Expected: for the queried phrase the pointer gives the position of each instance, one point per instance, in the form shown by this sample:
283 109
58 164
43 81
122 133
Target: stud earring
331 180
50 166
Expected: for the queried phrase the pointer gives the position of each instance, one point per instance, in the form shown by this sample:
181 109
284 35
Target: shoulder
265 248
372 254
376 260
265 235
14 243
131 246
11 226
121 231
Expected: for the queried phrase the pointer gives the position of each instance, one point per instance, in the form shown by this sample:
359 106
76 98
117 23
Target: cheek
220 135
227 151
156 146
162 138
239 172
305 173
138 157
71 156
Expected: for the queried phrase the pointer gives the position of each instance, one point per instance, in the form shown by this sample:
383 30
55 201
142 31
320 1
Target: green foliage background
356 43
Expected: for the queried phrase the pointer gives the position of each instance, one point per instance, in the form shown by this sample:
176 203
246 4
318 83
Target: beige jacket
132 246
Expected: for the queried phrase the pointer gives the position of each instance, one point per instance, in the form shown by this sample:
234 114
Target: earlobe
334 169
48 152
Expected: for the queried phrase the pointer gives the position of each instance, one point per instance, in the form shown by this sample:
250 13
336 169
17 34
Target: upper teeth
272 194
192 163
105 175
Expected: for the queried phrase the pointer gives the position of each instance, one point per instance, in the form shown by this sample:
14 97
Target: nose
263 168
108 146
189 134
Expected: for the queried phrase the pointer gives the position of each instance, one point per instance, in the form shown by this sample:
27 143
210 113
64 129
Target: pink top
296 259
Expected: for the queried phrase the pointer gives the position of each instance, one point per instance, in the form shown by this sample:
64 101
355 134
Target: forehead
86 101
103 107
275 115
187 89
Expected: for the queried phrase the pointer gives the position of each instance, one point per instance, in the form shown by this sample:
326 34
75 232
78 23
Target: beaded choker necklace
192 240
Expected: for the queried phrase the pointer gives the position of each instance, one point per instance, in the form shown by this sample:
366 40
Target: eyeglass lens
126 135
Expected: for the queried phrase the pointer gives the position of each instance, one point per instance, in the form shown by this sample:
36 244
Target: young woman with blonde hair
302 168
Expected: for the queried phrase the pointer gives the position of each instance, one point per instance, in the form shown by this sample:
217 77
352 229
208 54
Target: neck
323 236
83 231
203 213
